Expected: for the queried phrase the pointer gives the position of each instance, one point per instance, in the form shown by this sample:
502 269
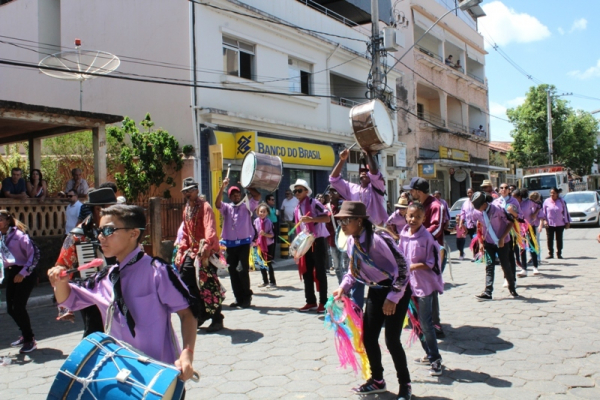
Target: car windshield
540 182
458 205
580 198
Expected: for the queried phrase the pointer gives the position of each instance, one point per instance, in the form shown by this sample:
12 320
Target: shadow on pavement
266 294
580 258
531 300
544 286
289 288
554 276
464 376
240 336
473 340
450 285
268 310
42 355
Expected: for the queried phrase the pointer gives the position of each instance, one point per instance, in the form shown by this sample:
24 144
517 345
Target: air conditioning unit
393 39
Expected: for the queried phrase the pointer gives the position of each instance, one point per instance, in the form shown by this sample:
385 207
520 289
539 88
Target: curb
34 302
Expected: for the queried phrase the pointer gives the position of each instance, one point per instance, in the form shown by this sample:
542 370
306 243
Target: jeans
435 299
559 230
339 261
460 243
358 294
188 276
503 255
269 259
373 322
240 280
17 295
316 260
429 341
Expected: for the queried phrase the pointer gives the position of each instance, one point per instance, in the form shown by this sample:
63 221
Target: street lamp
463 5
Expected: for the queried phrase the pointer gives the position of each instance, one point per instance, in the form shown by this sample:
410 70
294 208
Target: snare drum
341 240
302 242
261 171
101 367
372 125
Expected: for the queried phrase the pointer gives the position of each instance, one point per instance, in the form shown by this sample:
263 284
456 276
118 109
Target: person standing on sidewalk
556 220
496 224
72 211
511 205
237 235
266 243
466 216
197 243
339 258
376 260
422 255
19 259
288 205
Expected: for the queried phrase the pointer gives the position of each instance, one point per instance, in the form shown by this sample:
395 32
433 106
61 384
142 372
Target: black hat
189 183
352 209
418 184
478 199
102 197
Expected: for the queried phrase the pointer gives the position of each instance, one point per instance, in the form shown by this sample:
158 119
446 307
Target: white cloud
591 72
505 25
517 101
561 30
497 109
579 25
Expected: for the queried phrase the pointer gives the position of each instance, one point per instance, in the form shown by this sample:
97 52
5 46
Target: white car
584 207
454 211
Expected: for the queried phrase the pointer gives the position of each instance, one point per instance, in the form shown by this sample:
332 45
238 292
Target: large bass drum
261 171
372 125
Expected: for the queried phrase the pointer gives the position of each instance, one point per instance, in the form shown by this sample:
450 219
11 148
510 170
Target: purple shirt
374 201
498 220
397 220
466 214
446 209
422 248
268 229
151 298
532 211
383 257
503 202
237 220
319 230
21 247
556 213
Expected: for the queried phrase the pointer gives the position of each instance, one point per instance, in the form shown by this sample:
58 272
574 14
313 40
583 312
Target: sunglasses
298 191
503 187
346 221
106 231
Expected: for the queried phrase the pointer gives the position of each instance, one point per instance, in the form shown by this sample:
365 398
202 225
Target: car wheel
598 222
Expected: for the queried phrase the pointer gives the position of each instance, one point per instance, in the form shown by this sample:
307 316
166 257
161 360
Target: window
238 58
420 110
354 157
300 74
391 160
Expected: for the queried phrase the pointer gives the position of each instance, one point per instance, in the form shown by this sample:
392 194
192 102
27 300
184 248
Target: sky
553 41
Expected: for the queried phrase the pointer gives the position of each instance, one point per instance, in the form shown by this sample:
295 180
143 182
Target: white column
99 146
35 153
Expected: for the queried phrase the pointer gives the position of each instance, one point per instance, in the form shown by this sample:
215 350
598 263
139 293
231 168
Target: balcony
341 101
429 53
432 118
478 79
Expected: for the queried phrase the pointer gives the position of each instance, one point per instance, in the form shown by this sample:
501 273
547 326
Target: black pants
269 259
240 280
550 230
472 232
316 260
17 295
372 324
460 243
511 259
188 276
92 320
503 254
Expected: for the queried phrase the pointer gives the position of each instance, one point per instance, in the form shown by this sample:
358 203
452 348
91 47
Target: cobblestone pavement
544 345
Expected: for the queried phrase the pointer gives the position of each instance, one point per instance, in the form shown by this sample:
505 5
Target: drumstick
291 232
228 169
351 147
96 262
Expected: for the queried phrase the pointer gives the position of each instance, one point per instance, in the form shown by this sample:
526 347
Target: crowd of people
400 257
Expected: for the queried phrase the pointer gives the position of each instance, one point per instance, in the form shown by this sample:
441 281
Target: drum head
248 168
340 239
383 123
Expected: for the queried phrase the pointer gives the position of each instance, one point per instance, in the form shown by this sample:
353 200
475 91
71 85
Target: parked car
584 207
454 211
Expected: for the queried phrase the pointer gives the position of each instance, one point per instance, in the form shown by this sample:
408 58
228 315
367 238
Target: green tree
574 133
149 160
12 158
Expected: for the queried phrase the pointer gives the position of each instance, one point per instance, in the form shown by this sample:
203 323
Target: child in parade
461 235
376 261
421 251
397 220
137 296
266 243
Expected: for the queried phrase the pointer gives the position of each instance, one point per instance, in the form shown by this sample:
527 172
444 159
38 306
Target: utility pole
550 150
375 45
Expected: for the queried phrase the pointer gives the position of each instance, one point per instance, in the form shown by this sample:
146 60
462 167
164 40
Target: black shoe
559 256
483 296
405 392
439 333
550 256
246 303
235 304
371 387
200 322
514 294
214 327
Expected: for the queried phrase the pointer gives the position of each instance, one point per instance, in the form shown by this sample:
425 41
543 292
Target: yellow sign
227 139
292 152
454 154
216 180
245 142
427 170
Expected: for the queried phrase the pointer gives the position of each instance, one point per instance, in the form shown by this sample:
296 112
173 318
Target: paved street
544 345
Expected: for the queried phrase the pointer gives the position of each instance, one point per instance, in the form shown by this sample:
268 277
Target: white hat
301 182
121 200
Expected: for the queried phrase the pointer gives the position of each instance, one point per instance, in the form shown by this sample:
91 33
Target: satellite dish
76 65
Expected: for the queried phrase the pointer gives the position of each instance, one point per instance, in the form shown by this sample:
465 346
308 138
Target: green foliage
496 159
187 149
12 158
574 132
148 162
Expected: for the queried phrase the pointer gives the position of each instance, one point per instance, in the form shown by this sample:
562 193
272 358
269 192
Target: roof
503 147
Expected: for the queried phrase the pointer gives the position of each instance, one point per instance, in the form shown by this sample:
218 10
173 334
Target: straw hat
402 203
486 182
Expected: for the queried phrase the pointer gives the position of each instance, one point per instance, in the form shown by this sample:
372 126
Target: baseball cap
417 184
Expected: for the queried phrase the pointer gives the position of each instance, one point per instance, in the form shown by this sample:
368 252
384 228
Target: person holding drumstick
237 235
137 295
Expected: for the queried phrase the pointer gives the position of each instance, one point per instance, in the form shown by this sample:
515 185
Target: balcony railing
344 102
478 132
476 77
332 14
429 53
432 118
457 126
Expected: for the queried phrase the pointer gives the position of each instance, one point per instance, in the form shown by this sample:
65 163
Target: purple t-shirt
556 212
374 201
499 220
397 220
237 220
268 229
466 214
316 210
20 245
151 298
422 248
532 211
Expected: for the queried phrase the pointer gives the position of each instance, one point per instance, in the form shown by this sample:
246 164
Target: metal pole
550 150
80 95
376 70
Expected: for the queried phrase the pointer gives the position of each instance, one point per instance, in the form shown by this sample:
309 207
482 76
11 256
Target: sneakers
559 256
235 304
18 343
461 258
536 271
272 285
246 303
405 392
514 294
423 360
436 368
483 296
522 273
331 271
321 309
549 257
308 307
505 283
28 347
264 284
371 386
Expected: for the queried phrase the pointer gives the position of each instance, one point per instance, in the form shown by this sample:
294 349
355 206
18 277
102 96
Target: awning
475 55
453 163
454 40
425 23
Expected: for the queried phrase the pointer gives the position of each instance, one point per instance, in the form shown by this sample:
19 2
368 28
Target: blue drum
101 367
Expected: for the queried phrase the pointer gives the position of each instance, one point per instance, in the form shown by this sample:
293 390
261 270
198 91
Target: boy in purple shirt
137 296
397 220
496 223
421 251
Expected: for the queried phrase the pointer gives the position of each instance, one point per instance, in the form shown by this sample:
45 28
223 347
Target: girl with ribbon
266 243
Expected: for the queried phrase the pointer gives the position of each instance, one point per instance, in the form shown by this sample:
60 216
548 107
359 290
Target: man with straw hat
487 187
